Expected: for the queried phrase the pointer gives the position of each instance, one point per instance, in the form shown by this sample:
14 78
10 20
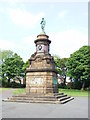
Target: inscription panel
37 81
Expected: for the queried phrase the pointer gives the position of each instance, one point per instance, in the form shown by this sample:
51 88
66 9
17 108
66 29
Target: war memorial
41 76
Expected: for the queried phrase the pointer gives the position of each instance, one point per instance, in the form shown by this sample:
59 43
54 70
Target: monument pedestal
41 77
40 83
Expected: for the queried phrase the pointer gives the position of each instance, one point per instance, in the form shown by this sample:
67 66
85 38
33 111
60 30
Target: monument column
41 76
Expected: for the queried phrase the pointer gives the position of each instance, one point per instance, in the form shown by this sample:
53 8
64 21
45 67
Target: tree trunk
89 87
9 80
65 80
20 82
71 84
83 85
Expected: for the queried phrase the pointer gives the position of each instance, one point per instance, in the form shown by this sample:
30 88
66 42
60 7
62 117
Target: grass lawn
4 89
65 91
19 91
72 92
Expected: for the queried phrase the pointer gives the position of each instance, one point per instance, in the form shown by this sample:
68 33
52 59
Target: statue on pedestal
43 23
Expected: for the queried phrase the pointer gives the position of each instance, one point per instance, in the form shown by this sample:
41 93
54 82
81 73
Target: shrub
62 85
12 85
77 85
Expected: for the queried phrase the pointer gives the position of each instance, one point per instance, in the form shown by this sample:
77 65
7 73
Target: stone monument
41 76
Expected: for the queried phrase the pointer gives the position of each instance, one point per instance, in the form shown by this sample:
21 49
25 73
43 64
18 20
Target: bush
62 85
87 83
0 83
12 85
67 86
74 85
4 83
77 85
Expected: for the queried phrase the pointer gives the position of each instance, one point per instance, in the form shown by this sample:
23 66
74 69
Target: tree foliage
12 67
78 66
5 54
61 66
25 66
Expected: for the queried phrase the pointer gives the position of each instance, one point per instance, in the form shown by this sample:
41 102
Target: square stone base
41 83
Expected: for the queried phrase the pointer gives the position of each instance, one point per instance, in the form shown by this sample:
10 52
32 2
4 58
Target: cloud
85 14
29 43
24 47
66 42
29 39
44 1
63 44
24 18
12 1
62 14
6 44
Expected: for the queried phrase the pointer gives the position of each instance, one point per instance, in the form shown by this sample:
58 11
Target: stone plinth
41 83
41 77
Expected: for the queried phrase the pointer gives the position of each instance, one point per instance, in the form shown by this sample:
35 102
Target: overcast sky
66 26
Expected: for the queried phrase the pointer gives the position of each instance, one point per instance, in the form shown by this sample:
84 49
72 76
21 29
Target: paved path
4 95
77 108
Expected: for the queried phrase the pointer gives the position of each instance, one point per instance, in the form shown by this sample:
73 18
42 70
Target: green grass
4 89
72 92
19 91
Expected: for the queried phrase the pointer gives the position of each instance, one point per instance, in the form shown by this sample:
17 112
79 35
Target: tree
3 55
12 67
78 66
25 66
61 66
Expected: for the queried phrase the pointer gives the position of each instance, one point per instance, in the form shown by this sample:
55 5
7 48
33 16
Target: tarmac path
77 108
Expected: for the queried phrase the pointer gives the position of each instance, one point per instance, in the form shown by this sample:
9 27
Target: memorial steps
58 98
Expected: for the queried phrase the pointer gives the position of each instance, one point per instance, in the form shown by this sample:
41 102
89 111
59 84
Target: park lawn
72 92
4 89
19 91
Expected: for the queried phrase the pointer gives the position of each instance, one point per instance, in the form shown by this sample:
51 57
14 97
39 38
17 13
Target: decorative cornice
41 70
42 40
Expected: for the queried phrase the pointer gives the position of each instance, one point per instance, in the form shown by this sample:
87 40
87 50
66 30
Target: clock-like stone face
40 48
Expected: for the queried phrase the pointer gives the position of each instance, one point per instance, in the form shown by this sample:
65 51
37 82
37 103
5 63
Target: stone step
60 96
34 101
55 94
40 99
63 98
16 96
67 100
37 95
